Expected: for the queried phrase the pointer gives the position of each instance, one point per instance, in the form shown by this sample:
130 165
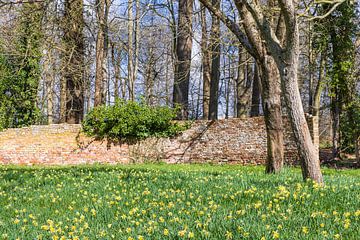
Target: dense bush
131 121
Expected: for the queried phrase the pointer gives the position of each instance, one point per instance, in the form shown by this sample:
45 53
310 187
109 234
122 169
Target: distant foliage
131 120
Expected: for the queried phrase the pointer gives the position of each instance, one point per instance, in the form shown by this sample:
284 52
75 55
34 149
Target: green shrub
129 121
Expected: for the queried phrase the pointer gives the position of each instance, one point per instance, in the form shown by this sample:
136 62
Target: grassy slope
176 201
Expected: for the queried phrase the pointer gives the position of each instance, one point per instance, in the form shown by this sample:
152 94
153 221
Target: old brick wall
56 145
223 141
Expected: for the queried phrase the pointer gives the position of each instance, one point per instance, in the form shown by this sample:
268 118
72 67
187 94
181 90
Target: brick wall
223 141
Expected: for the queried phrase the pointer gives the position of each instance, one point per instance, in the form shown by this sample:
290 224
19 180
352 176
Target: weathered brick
241 141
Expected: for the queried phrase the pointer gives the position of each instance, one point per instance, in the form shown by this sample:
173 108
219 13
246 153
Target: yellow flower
190 235
16 221
305 230
45 227
337 236
182 233
166 232
228 235
140 237
275 234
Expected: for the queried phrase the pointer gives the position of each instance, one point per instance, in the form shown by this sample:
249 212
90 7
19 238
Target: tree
259 35
206 63
20 72
341 30
252 41
183 57
215 65
101 51
255 94
72 83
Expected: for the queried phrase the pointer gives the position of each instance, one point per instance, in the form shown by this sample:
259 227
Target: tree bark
116 61
215 65
183 58
73 61
255 95
271 93
319 87
100 54
130 67
287 65
206 64
243 84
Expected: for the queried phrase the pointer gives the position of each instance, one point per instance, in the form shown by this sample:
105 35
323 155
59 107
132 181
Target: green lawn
176 202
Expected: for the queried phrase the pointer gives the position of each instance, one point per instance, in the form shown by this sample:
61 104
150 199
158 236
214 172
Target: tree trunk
255 95
335 117
215 64
116 61
183 57
309 157
49 96
137 40
319 87
243 84
271 93
206 67
73 75
311 68
100 54
131 78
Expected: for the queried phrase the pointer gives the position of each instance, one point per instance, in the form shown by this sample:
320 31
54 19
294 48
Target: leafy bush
131 121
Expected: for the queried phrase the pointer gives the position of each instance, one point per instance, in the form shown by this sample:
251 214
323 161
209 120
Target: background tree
20 70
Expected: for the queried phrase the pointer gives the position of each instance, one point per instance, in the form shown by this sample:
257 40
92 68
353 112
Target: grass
176 202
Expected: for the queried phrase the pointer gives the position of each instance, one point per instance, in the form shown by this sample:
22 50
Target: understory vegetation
131 121
176 202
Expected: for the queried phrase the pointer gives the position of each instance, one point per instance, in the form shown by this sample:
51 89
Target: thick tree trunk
215 65
307 152
100 54
206 64
271 92
255 95
73 75
183 58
